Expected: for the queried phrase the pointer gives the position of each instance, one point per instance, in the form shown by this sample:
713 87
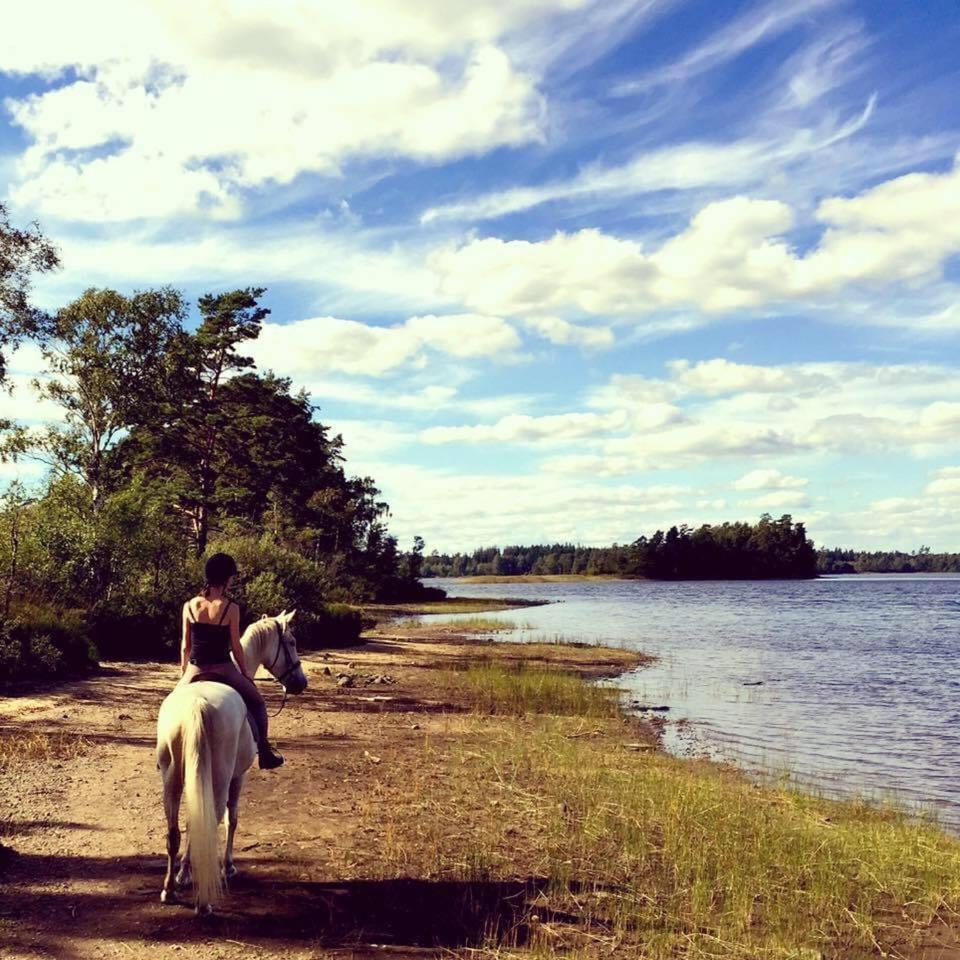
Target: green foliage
23 253
43 641
732 551
106 357
838 560
173 445
333 625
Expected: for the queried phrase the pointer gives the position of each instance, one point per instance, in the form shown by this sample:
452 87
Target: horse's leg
171 805
184 876
233 806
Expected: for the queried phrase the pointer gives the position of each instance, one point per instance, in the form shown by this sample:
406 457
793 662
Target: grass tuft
519 689
17 746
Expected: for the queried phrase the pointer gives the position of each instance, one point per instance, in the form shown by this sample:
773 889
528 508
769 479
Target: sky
557 270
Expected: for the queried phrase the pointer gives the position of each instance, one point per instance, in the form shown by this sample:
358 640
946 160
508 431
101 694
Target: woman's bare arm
185 640
233 619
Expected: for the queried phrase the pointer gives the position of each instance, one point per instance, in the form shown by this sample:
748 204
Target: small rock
639 746
371 757
124 716
344 680
414 726
644 707
327 671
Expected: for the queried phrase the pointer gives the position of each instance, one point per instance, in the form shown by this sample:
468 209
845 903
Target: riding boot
269 758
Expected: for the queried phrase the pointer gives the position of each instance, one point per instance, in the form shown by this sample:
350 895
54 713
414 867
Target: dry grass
20 746
647 855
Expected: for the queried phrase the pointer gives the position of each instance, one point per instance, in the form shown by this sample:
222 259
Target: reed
519 689
646 855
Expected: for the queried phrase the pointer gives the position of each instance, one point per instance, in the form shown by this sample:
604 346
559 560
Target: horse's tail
201 807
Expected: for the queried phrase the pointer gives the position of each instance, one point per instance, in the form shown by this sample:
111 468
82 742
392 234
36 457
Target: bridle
291 662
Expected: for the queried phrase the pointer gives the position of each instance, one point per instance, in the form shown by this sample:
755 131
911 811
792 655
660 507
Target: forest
836 560
169 444
768 549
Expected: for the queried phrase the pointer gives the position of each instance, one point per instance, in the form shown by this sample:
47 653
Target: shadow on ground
263 906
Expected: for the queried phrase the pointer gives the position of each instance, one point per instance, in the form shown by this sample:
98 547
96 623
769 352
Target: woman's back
203 610
209 634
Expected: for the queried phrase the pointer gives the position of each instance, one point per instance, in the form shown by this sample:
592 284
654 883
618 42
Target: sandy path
88 832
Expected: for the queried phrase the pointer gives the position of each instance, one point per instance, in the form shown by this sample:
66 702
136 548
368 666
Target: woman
211 630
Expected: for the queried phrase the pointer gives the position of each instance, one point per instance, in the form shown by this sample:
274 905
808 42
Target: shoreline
453 796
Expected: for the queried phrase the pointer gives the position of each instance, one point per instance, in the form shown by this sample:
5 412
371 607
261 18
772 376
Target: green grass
477 624
518 690
650 856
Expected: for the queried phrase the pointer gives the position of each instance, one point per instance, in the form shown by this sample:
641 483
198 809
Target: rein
290 662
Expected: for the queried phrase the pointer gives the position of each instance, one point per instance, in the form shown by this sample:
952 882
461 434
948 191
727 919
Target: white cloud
684 166
720 376
731 256
716 410
777 500
522 428
768 479
175 109
322 344
465 335
469 509
560 331
757 25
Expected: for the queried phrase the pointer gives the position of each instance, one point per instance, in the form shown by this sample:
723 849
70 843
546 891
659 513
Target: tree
108 359
23 252
192 439
12 508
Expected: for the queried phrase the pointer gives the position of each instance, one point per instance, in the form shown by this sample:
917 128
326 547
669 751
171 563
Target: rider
211 630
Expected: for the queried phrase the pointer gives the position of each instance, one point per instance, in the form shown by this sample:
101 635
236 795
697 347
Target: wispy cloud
758 25
686 166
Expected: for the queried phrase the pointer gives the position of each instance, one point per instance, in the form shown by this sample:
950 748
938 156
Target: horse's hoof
168 896
229 871
204 910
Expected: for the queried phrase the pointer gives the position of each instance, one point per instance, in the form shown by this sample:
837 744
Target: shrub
136 636
333 625
41 641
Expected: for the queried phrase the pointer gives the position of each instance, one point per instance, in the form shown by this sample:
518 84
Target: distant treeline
731 551
886 561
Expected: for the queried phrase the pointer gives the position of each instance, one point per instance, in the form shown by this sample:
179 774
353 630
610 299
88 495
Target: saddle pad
214 677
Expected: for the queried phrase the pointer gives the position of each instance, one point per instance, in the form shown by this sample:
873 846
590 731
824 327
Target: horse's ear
291 615
264 616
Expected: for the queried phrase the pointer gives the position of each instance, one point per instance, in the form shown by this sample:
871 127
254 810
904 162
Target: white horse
205 747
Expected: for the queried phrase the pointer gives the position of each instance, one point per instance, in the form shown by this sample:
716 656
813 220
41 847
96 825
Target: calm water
849 683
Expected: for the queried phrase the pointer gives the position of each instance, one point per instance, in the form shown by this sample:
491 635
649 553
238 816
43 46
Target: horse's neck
252 646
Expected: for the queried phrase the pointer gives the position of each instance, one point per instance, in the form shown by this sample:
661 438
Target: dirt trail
84 835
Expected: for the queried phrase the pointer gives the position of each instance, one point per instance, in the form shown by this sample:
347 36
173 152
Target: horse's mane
258 631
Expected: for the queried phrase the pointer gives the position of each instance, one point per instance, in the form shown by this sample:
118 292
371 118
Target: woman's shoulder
190 605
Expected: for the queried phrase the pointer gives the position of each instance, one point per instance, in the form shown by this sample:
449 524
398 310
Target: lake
847 684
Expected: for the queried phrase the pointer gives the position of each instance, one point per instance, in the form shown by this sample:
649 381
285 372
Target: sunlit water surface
849 684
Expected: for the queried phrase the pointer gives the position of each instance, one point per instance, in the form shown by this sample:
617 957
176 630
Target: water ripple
848 683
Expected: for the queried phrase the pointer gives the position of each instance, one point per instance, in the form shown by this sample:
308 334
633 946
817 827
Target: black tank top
209 642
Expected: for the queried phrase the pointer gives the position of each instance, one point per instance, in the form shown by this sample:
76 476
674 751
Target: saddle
216 678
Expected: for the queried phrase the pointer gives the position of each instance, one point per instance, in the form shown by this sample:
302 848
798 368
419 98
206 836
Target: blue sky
560 270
